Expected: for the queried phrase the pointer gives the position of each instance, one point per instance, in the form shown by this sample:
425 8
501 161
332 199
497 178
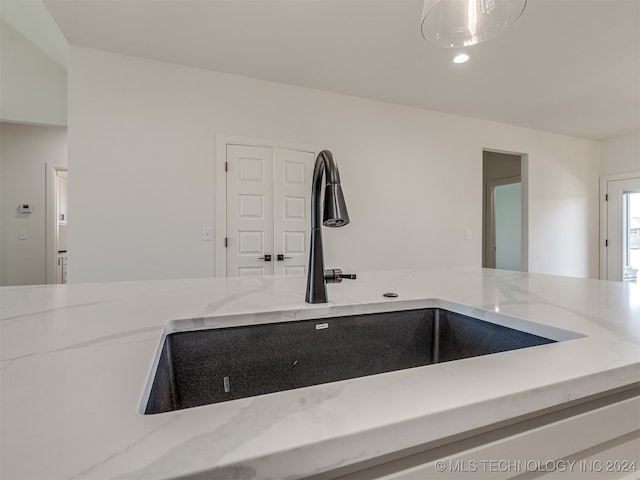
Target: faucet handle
335 275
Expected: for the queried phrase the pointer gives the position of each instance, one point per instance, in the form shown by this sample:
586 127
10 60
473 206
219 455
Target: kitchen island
77 360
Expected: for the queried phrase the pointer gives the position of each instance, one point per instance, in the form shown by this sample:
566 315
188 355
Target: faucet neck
325 164
316 284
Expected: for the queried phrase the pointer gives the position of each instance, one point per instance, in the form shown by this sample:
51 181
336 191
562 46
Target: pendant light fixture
461 23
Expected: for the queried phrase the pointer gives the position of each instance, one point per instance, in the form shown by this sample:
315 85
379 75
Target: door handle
266 258
281 257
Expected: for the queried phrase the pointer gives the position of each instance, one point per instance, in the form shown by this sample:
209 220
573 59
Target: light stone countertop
76 359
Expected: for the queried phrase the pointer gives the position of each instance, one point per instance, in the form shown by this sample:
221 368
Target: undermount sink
217 365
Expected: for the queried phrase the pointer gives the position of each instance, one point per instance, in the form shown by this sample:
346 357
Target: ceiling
567 66
33 21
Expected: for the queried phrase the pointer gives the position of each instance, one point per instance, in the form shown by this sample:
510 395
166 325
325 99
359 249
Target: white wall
24 151
33 87
142 157
620 155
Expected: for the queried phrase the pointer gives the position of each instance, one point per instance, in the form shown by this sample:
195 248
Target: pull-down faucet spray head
335 209
335 215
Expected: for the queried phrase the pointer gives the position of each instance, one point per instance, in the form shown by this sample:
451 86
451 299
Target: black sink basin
210 366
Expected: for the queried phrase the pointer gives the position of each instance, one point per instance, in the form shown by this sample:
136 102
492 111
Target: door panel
503 231
268 210
508 221
295 270
293 172
250 271
249 211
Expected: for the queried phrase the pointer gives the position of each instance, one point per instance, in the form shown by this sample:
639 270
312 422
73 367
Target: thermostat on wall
25 208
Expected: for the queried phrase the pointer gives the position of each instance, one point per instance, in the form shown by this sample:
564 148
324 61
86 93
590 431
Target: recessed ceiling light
461 58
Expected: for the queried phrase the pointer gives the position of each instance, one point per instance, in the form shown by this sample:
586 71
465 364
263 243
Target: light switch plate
207 234
22 234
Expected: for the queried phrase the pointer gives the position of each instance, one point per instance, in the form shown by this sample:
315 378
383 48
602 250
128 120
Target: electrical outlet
22 234
207 234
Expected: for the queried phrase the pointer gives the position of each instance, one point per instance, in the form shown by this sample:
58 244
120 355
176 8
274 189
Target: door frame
51 221
604 215
524 215
222 140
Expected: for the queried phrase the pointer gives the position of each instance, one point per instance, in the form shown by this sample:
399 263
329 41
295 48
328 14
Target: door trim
222 140
524 180
604 216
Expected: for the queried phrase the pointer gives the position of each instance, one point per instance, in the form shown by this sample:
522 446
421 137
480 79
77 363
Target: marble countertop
76 359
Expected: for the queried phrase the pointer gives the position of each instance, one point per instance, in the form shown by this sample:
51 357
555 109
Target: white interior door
268 209
503 243
293 172
508 221
623 229
249 211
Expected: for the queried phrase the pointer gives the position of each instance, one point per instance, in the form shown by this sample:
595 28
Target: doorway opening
56 224
505 208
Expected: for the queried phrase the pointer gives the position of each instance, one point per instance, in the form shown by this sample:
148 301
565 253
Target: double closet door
268 210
